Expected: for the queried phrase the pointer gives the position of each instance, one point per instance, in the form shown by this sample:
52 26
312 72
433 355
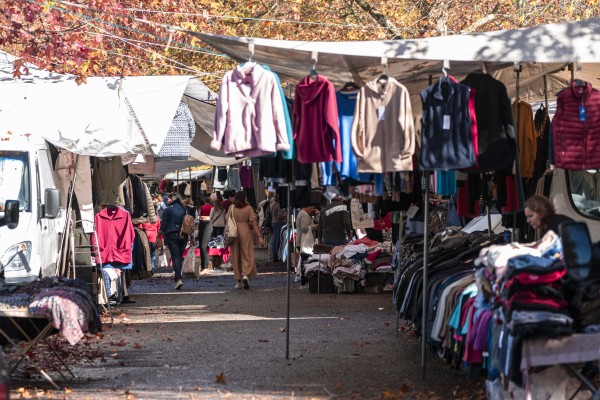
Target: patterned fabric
67 311
180 135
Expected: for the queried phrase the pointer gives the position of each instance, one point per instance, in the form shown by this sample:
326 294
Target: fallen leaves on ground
220 378
137 346
282 330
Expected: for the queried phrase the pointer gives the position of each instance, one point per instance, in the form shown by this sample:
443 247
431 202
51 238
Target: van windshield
14 179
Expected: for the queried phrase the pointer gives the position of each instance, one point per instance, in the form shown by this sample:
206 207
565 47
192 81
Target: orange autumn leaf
220 378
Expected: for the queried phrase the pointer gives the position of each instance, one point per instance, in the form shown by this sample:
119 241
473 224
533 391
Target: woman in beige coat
242 247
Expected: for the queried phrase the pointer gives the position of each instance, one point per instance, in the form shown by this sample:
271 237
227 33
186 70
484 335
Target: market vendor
304 225
335 226
541 214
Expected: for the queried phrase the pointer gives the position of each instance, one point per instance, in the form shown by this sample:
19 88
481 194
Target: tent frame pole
400 245
288 263
517 100
426 257
425 262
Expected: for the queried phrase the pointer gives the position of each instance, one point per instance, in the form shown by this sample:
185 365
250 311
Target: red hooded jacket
316 128
577 138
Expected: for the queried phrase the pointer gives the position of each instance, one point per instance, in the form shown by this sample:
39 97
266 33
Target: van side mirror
577 249
51 203
11 213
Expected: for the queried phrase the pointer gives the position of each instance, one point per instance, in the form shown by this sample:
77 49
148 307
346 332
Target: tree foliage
139 37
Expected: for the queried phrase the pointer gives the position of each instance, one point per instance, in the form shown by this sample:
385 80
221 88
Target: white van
574 193
29 239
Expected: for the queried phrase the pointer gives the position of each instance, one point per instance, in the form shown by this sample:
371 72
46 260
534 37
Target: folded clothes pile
217 242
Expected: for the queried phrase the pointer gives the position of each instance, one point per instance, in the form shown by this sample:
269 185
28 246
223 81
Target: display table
566 351
218 256
19 323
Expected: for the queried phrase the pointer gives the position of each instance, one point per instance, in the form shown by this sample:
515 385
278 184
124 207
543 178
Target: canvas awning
104 117
545 48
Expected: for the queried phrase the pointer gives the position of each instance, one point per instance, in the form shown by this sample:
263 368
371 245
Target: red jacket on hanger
576 126
115 235
316 126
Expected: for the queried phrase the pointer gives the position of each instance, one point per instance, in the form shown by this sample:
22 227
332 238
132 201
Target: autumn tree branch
380 18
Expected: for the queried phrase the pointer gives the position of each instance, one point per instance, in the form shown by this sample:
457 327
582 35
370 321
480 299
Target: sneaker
238 285
178 284
245 281
303 287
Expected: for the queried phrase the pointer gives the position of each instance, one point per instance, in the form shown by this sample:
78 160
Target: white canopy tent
106 116
544 49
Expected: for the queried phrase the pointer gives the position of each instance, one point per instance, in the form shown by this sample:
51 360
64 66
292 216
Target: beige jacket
383 132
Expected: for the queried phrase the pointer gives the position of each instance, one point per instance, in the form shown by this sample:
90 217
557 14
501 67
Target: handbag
308 242
162 261
189 261
230 231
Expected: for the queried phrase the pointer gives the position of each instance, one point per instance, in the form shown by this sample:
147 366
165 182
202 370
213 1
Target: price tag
582 113
412 211
446 123
381 113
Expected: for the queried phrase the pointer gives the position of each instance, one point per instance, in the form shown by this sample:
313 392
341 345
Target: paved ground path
210 340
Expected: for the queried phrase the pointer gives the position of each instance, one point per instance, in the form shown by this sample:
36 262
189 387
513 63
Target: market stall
490 144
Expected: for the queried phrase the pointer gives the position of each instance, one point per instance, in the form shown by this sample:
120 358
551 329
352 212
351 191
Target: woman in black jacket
541 214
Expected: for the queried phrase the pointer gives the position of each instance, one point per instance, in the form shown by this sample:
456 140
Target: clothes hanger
383 78
247 66
313 75
350 85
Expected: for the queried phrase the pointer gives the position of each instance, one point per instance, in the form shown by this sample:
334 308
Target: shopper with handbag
242 245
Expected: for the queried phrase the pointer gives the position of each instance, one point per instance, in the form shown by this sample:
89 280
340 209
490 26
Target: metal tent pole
517 86
288 268
399 258
425 261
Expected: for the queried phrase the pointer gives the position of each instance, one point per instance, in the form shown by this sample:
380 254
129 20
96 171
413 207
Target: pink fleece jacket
316 127
249 119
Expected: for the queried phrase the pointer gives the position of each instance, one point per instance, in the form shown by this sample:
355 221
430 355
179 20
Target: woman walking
277 222
242 248
204 230
217 218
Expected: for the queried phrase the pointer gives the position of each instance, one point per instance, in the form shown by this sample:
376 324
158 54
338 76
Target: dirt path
210 340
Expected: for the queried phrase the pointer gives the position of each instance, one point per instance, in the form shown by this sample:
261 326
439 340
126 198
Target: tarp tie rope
148 147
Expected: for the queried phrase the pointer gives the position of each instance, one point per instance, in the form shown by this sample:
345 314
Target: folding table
21 319
566 351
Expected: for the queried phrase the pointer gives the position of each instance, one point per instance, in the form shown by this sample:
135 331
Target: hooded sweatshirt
249 118
383 130
316 129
